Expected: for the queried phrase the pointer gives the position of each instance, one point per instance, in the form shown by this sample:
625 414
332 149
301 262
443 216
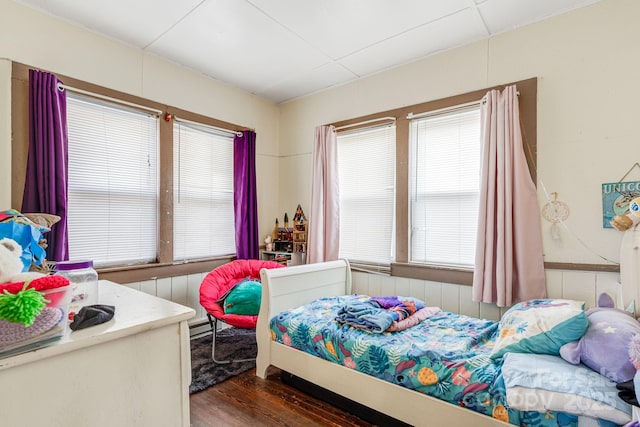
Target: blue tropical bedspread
445 356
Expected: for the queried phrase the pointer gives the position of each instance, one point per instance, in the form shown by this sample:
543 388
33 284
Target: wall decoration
555 211
616 197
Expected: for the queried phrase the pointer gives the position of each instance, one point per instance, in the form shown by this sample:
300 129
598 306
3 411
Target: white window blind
113 182
444 195
203 218
366 162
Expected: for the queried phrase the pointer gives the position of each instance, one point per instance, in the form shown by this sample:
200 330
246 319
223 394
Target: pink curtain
324 217
509 266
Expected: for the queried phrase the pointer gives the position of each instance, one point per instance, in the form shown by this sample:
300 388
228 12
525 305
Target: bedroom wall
578 285
586 62
42 41
5 132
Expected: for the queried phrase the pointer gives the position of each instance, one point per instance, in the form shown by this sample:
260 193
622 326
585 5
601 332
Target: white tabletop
135 312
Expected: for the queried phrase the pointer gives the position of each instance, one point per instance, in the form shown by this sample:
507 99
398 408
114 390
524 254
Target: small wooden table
134 370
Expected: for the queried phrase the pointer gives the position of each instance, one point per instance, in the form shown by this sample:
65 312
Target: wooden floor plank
246 400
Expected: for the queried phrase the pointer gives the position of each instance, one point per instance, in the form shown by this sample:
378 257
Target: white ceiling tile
234 42
323 77
284 49
505 15
455 30
339 27
136 22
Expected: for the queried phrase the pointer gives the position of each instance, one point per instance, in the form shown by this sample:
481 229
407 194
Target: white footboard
285 288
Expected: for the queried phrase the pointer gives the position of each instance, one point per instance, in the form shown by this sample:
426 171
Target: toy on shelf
288 244
299 231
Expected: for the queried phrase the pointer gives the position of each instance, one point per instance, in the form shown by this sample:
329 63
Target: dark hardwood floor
246 400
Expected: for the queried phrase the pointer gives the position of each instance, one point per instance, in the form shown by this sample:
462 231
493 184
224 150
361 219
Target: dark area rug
232 343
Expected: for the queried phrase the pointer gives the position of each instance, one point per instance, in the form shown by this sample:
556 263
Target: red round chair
220 280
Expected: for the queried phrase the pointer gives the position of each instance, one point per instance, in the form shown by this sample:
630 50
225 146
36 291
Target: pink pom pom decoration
634 351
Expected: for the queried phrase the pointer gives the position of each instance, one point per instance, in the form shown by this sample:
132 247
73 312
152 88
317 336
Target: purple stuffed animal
605 346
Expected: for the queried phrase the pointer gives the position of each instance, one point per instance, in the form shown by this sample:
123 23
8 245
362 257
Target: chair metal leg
213 322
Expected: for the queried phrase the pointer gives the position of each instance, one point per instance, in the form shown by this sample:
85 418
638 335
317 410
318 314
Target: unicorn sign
616 197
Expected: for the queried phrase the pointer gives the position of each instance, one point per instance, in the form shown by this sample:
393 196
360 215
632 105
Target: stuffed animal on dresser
11 265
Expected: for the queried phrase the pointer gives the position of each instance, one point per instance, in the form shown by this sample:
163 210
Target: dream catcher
555 211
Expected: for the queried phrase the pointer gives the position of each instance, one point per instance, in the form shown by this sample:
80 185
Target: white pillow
541 382
539 400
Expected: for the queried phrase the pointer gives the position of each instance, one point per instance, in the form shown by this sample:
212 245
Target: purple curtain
245 202
45 188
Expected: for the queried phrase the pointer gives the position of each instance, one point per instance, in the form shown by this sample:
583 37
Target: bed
291 287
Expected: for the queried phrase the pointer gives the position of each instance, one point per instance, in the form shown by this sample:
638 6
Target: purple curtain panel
245 200
47 163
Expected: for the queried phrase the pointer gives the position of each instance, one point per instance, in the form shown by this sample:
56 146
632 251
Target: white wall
578 285
42 41
5 132
587 63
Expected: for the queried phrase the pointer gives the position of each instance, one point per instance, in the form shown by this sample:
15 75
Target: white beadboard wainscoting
183 290
570 284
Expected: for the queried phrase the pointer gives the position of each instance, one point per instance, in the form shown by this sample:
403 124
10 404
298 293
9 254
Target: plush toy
21 296
268 244
11 265
605 346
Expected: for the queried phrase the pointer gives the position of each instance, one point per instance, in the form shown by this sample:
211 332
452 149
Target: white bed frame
285 288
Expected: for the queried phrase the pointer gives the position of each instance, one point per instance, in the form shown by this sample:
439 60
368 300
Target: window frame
528 118
164 265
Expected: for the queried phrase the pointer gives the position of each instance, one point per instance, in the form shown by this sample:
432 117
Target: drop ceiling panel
284 49
420 42
505 15
136 22
323 77
234 42
339 27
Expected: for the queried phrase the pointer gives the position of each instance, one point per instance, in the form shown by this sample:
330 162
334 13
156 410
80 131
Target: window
203 192
122 213
444 186
113 182
366 163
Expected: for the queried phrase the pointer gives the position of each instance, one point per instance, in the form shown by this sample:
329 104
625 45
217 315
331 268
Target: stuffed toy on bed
610 347
605 346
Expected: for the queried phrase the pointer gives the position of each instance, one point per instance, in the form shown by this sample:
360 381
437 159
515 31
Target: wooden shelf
277 256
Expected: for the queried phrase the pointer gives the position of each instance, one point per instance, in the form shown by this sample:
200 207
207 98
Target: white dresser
134 370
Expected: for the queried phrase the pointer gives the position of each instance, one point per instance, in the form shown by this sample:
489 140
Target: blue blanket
377 314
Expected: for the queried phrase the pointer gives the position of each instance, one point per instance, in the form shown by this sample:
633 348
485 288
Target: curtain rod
366 122
452 108
62 87
234 132
442 110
